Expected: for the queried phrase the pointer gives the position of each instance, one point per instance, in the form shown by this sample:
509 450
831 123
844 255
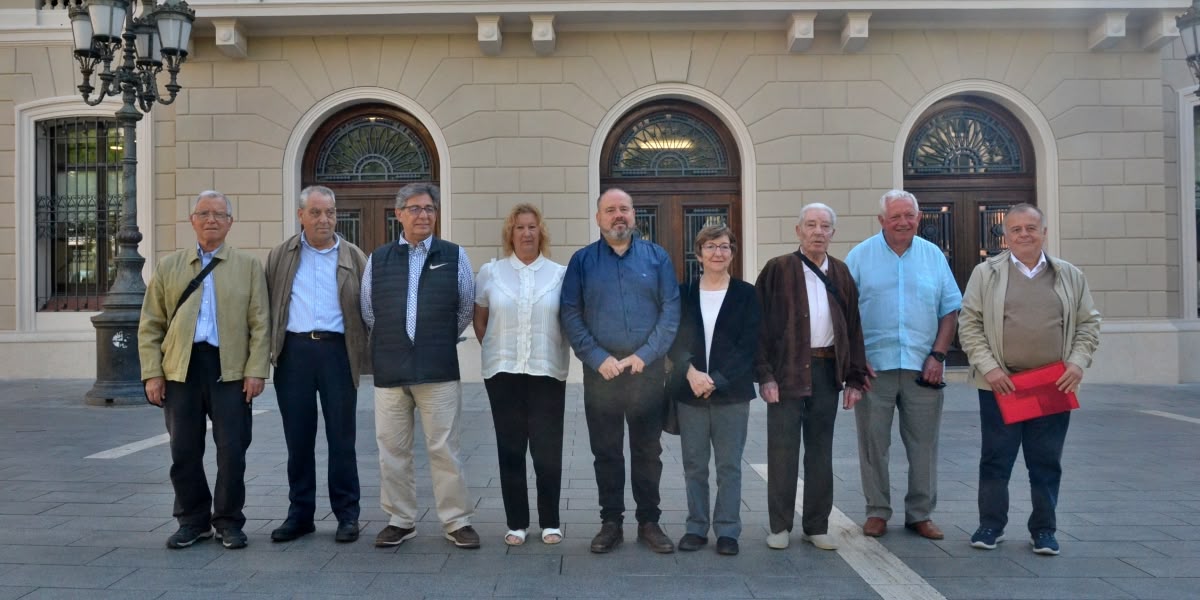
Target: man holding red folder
1023 310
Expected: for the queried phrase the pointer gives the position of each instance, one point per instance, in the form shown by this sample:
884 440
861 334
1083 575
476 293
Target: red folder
1036 395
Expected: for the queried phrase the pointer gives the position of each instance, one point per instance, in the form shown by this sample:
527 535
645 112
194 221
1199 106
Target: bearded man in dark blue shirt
620 309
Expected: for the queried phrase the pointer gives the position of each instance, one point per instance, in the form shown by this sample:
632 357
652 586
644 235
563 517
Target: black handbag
674 386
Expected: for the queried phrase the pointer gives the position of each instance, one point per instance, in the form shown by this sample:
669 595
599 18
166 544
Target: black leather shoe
691 542
653 537
347 532
726 545
611 535
291 530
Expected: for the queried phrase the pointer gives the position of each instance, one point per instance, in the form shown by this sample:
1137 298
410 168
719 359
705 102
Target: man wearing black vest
417 298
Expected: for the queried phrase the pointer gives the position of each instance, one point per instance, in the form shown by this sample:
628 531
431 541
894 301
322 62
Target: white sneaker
823 541
779 541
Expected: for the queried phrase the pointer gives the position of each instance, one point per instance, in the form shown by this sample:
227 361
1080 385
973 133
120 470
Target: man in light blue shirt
909 304
318 345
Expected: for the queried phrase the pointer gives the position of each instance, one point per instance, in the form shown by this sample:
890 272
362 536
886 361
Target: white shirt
523 334
710 307
1026 271
820 321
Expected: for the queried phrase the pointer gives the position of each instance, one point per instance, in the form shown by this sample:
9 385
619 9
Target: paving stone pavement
73 527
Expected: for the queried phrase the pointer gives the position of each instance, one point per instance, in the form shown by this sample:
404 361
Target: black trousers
527 411
186 406
809 419
306 368
636 400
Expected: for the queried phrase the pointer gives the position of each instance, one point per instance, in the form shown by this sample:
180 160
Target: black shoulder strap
833 291
195 283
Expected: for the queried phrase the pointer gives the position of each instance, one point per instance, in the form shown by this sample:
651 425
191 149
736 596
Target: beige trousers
440 406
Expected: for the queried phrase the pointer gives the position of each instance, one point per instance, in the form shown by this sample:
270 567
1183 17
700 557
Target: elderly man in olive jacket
318 346
204 353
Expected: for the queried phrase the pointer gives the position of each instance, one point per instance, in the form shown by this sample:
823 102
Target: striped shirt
313 305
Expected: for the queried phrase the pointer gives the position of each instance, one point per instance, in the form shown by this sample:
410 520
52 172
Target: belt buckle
314 336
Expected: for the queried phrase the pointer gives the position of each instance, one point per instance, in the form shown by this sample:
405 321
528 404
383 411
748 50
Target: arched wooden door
365 154
680 165
968 160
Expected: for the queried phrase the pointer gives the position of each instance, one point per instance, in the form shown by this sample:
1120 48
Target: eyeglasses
206 215
716 247
417 210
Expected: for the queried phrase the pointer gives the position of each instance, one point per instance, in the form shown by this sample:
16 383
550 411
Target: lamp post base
118 370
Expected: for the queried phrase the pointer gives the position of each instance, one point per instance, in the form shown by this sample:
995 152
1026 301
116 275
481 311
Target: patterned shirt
416 262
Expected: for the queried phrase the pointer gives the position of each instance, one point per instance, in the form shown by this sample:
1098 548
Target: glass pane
349 226
646 222
695 219
991 229
963 141
77 211
670 144
373 148
937 226
394 228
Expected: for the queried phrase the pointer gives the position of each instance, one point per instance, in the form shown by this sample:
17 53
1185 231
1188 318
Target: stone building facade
741 111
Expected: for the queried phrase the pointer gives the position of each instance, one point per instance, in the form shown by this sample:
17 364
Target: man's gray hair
212 194
315 189
413 190
818 206
895 196
1026 207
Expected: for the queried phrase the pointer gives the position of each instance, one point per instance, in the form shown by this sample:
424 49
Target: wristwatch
938 356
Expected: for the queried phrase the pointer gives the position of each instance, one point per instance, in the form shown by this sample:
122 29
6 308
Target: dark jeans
1042 439
809 419
609 406
527 411
185 407
308 367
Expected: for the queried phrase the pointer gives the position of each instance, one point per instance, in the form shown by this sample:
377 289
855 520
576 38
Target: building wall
519 127
824 125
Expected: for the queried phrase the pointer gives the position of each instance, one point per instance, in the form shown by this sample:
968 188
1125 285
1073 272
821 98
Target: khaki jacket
282 264
981 321
165 339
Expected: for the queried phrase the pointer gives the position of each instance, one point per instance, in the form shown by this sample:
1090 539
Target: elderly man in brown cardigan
810 349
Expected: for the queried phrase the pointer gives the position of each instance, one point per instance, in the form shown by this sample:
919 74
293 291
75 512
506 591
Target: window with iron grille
77 211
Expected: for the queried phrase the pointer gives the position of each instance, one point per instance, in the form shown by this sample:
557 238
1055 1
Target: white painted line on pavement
882 570
1159 413
150 442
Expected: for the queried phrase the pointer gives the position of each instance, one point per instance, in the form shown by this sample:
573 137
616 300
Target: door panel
673 220
968 225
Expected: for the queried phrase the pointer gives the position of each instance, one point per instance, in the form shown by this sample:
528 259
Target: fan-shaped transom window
963 141
373 148
670 144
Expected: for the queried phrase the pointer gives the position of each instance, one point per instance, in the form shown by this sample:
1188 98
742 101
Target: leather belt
826 352
317 335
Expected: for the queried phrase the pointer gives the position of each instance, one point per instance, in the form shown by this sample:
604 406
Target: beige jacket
281 272
165 339
981 321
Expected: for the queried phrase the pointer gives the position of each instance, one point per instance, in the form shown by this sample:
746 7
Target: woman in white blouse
525 364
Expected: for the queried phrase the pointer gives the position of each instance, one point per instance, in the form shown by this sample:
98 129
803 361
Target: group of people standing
870 334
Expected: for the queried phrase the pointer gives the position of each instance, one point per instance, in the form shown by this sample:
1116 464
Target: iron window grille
77 211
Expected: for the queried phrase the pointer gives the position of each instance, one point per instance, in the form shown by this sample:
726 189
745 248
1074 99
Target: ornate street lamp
1189 31
131 50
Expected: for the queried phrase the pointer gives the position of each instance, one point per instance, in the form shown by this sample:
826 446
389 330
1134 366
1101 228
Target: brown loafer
926 529
875 527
